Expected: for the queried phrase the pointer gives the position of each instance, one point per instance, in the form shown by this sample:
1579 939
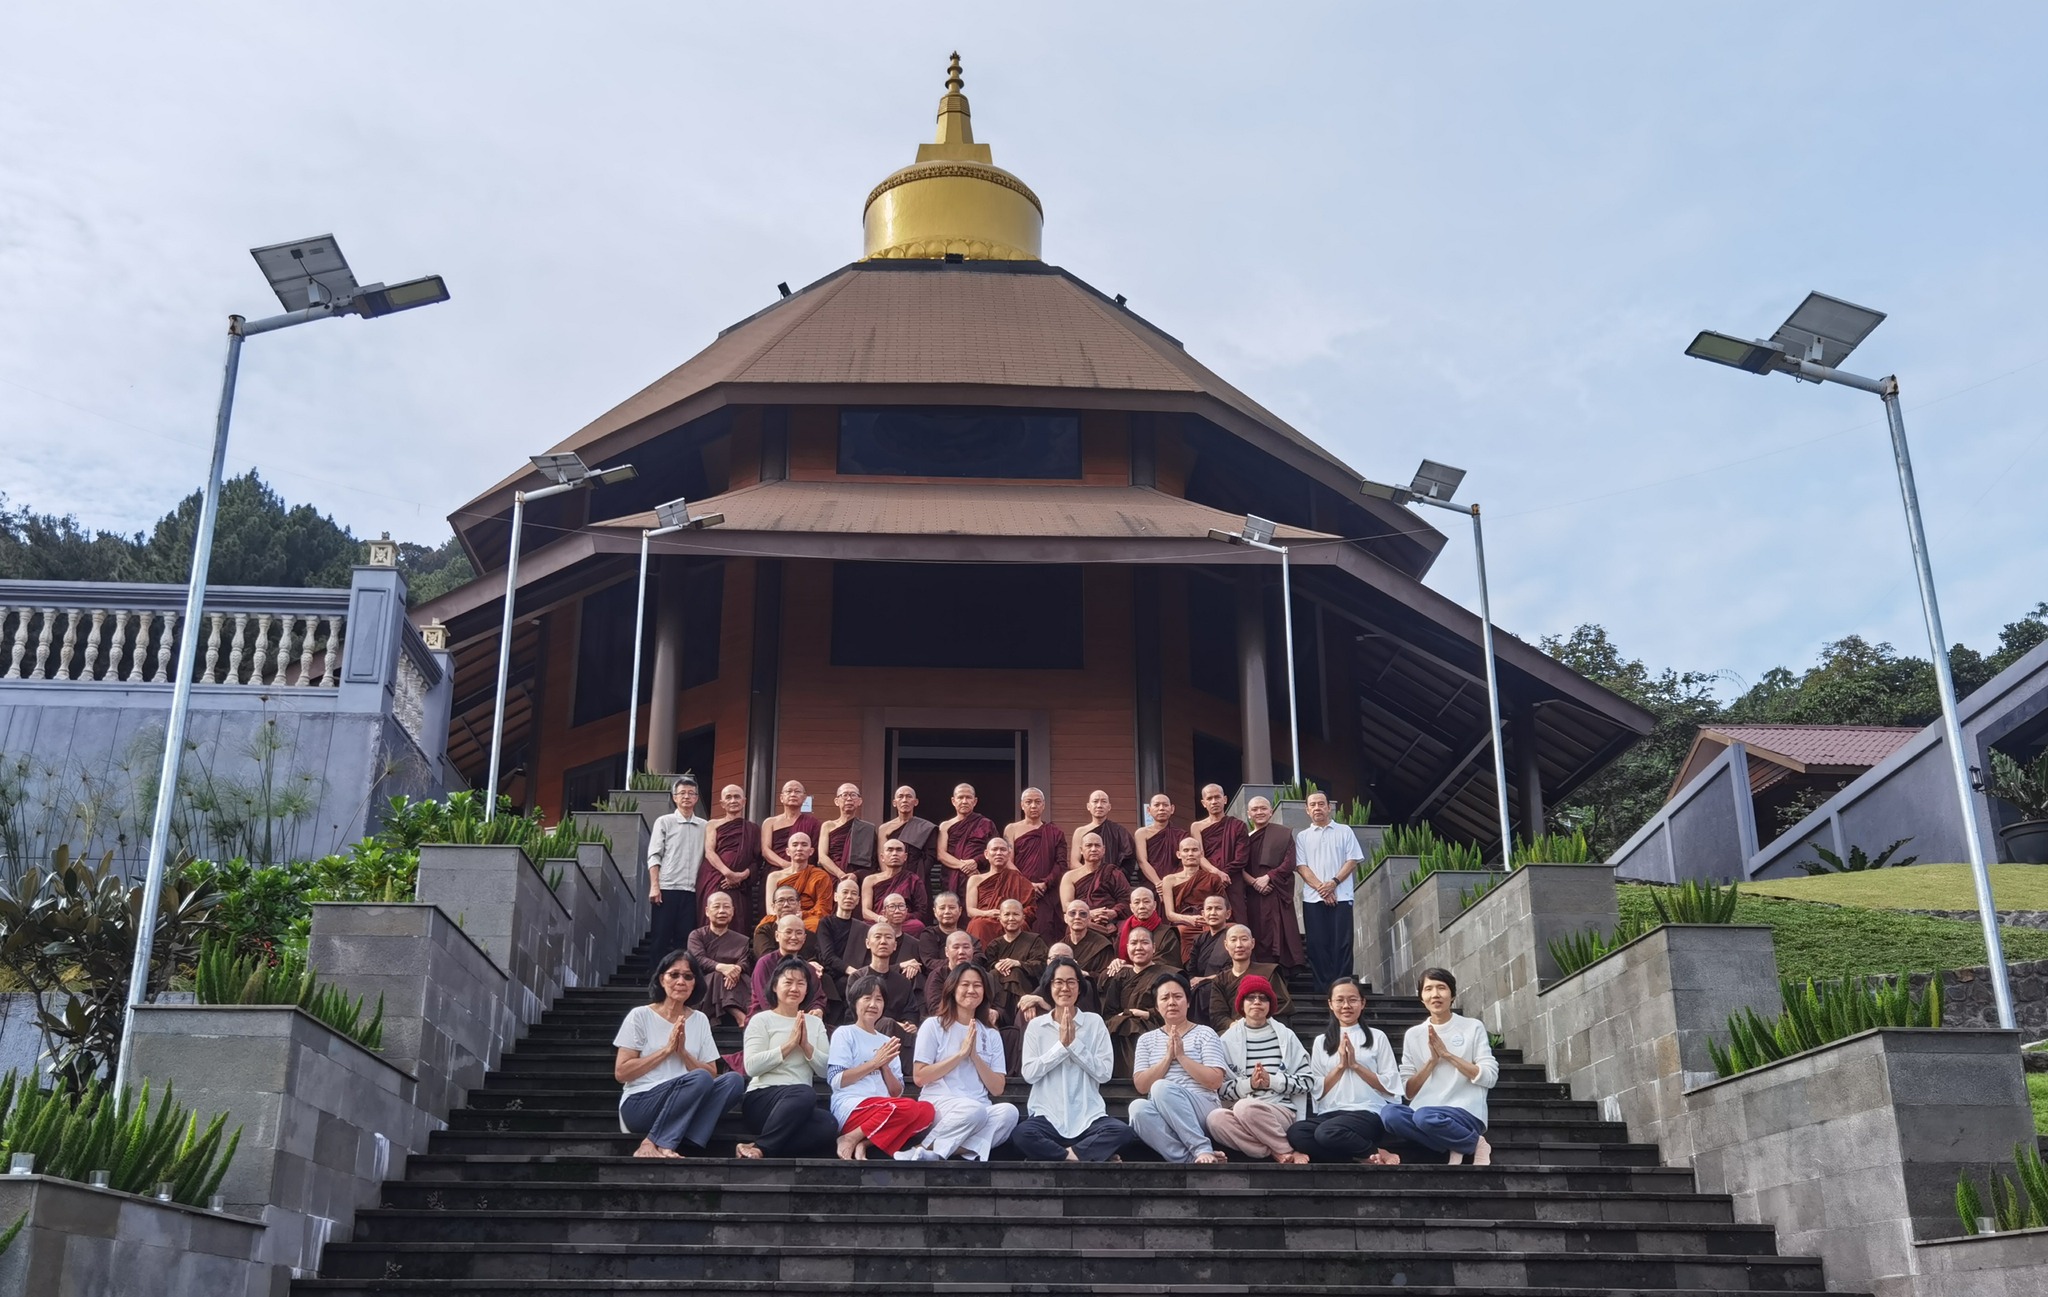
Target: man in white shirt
674 856
1326 856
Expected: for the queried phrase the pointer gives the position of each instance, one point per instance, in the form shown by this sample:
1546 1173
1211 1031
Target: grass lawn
1815 940
1916 887
2037 1090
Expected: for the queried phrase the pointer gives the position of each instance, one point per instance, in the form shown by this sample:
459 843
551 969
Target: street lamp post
1258 533
1809 346
1435 484
312 281
672 517
565 472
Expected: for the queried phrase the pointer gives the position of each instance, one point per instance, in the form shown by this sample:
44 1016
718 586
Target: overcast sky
1483 233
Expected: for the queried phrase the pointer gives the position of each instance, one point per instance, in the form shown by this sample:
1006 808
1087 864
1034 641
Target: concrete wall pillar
1529 773
668 668
1255 719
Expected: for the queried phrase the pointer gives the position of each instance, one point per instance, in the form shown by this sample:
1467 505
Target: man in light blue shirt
674 855
1326 856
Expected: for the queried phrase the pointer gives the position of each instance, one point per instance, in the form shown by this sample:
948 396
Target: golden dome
953 200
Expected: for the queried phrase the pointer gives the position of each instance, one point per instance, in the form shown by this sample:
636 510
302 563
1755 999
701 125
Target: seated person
842 944
1066 1060
1355 1084
986 891
896 878
1016 956
1040 1000
1179 1067
1127 997
865 1071
1268 1086
1447 1066
792 939
959 1070
1092 950
959 950
669 1066
781 901
1182 892
722 958
785 1054
901 1010
1206 953
812 881
1238 944
1145 914
931 943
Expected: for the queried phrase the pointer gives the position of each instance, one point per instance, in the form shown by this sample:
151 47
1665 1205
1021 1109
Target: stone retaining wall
81 1240
1989 1265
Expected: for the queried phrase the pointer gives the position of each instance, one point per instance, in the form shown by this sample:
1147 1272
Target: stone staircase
533 1190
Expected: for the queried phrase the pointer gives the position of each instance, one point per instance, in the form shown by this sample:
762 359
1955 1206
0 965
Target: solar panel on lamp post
1258 533
565 472
672 517
1814 340
1435 484
312 281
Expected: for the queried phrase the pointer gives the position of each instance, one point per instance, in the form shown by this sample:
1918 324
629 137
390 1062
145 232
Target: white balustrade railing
278 649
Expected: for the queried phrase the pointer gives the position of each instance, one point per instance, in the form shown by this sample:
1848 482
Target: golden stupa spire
953 200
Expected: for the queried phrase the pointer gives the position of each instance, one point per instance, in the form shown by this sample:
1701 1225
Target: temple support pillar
1255 719
1530 773
668 668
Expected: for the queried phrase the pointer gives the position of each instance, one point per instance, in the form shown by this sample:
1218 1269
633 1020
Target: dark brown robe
1223 995
1093 953
909 884
1106 889
1041 855
738 844
1165 940
1028 948
842 943
1132 988
852 848
1228 847
990 892
930 952
918 836
1119 848
1160 850
1276 932
707 950
966 840
1188 898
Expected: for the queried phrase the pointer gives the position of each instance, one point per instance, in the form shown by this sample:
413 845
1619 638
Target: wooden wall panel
813 443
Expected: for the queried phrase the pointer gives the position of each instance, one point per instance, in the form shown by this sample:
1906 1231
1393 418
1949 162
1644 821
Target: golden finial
953 80
954 200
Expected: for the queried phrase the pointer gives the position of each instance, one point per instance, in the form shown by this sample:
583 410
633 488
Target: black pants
1336 1136
789 1121
673 921
1038 1141
1327 928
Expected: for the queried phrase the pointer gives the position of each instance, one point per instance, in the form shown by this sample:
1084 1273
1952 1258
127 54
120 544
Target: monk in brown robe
959 949
846 846
987 890
720 954
896 913
947 919
1269 888
736 841
842 944
1091 949
1127 992
1016 955
1223 990
895 878
1098 881
1145 916
1158 842
1182 892
963 838
901 1007
813 885
1041 851
1224 842
919 836
1117 845
776 830
784 900
1206 954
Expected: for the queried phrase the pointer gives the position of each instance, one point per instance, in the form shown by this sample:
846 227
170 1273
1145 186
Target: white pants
965 1125
1173 1119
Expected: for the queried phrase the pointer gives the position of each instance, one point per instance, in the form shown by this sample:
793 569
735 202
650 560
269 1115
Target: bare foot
861 1154
659 1151
748 1151
1457 1159
1292 1159
849 1143
1384 1158
648 1148
1210 1158
1483 1155
1072 1156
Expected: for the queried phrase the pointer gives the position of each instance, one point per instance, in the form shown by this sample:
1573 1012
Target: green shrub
224 977
73 1136
617 805
1817 1012
2013 1206
1858 861
1399 840
1442 854
1696 902
1555 849
1470 896
2022 787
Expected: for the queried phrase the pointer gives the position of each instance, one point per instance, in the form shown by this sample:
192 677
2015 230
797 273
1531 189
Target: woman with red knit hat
1267 1086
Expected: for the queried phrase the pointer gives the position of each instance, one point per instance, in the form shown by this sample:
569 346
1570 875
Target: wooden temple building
966 506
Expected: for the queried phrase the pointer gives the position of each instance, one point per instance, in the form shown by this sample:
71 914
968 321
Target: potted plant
2025 789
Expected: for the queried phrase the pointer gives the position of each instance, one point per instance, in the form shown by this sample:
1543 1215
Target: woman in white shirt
865 1071
1268 1082
1356 1083
1448 1065
1177 1067
1067 1057
669 1065
785 1053
959 1067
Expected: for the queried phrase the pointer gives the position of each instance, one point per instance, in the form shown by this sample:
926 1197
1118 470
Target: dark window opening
584 786
1212 637
604 641
941 442
934 762
1218 761
1008 615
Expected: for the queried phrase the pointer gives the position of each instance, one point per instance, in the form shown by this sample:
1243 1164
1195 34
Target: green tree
44 547
432 571
257 540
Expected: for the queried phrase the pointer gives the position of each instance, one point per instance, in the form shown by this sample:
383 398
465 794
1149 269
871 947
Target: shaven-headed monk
1099 884
812 884
919 836
1269 888
1017 956
1041 851
989 889
895 878
1158 841
776 831
963 838
1091 949
1225 841
736 841
1117 845
1182 892
846 846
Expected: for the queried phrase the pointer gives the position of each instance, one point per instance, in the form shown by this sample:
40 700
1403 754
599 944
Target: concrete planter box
631 836
85 1242
1630 1031
1852 1151
501 900
618 906
586 918
446 1017
653 803
1989 1265
324 1121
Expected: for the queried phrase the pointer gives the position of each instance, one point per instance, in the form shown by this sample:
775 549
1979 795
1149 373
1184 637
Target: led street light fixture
1750 357
1434 481
616 474
1257 530
1826 329
373 300
307 272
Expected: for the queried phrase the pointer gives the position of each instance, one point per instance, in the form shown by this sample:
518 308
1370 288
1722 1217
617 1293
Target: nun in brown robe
1127 990
1270 914
708 947
1223 991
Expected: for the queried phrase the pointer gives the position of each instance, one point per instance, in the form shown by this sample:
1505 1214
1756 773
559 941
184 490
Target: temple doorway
935 761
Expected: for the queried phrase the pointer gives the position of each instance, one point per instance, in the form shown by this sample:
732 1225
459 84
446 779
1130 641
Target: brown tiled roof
1817 745
961 509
